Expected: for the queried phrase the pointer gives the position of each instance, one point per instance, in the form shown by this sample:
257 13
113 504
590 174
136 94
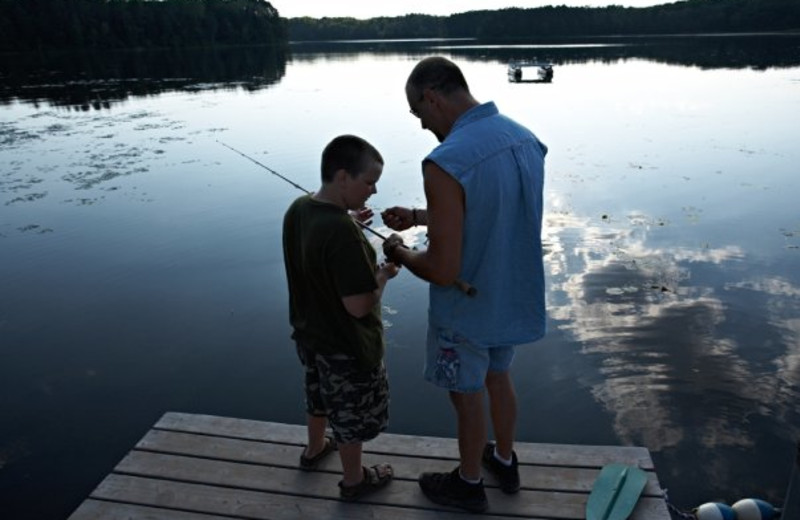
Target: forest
686 17
123 24
116 24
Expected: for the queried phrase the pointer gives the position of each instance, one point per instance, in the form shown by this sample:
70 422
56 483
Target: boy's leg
316 414
316 426
352 470
359 409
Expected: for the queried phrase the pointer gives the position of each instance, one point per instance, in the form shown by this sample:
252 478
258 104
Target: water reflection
95 80
705 51
665 327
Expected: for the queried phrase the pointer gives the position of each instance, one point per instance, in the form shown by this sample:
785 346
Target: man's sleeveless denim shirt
500 165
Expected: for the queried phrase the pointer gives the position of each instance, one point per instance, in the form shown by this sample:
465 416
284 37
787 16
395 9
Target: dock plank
552 454
191 466
101 510
238 503
408 466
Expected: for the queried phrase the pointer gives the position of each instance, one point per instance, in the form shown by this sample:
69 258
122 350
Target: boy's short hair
350 153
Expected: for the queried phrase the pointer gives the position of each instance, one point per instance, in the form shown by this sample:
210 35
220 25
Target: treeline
686 17
105 24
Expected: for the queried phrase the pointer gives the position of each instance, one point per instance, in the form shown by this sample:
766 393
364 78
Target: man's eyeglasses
421 97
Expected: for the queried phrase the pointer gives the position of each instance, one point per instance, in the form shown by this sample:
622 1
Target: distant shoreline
793 32
686 17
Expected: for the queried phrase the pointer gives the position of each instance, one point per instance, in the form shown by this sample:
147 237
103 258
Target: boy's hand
389 269
363 215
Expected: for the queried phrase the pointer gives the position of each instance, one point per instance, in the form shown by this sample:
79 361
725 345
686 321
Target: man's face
423 109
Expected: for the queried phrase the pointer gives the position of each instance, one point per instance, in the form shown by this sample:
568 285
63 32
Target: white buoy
714 511
754 509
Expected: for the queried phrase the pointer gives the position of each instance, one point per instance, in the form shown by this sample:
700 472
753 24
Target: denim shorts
452 362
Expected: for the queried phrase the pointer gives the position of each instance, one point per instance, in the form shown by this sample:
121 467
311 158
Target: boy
335 287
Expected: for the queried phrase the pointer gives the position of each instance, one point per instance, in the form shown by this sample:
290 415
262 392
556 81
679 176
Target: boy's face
360 188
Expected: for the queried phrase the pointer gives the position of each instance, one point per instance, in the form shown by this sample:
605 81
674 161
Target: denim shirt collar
474 114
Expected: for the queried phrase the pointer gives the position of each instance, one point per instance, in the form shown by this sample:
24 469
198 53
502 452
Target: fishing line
466 288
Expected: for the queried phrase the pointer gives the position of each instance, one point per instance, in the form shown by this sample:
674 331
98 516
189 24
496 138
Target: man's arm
440 263
400 218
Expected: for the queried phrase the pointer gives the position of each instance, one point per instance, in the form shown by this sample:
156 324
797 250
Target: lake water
141 268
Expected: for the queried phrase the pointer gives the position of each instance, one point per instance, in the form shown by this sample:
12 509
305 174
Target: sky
373 8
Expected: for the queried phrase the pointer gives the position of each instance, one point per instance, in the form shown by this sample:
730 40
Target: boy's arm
359 305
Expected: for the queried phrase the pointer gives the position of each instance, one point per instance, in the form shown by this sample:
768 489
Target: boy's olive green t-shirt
328 257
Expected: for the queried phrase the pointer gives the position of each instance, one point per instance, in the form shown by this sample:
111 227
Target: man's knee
466 401
498 379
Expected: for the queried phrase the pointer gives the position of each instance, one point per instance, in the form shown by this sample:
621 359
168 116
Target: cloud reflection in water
677 354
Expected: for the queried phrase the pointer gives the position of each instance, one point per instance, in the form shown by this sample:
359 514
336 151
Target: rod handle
462 286
466 288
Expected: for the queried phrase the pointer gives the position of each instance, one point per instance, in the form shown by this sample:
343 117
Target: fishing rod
294 184
464 287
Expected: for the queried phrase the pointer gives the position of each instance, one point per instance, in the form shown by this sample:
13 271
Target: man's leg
500 458
503 410
471 418
454 364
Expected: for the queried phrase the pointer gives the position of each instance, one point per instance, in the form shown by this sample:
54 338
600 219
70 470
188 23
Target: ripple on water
11 136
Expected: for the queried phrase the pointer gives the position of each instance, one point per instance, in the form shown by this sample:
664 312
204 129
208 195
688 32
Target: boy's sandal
375 478
311 463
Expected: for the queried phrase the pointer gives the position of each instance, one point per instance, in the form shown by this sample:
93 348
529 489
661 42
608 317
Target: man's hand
390 248
398 218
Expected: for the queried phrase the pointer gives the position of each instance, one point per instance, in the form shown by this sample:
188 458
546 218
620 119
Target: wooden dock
200 467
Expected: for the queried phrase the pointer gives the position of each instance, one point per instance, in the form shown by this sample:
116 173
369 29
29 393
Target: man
483 188
335 288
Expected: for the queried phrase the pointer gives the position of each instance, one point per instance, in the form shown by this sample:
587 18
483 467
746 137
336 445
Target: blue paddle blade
615 492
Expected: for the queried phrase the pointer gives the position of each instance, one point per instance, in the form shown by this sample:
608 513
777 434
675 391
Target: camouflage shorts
356 402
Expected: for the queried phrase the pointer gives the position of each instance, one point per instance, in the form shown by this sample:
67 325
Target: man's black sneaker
450 489
508 476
